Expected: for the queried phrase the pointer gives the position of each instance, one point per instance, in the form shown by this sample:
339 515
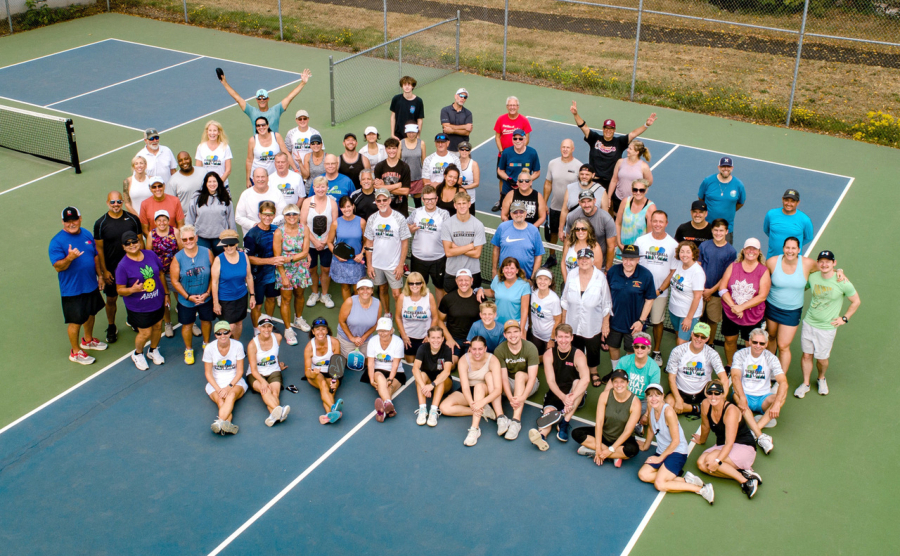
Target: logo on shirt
286 189
302 143
694 368
268 361
427 224
757 372
225 365
384 230
212 160
537 311
656 253
742 291
733 193
383 358
437 171
603 148
636 284
267 156
415 313
678 282
512 239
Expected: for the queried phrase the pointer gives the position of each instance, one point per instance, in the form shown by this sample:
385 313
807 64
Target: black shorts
109 290
414 346
234 311
145 320
730 328
264 291
188 315
77 309
461 347
615 339
630 448
615 202
550 400
693 399
433 270
316 256
399 377
541 345
450 282
591 347
551 225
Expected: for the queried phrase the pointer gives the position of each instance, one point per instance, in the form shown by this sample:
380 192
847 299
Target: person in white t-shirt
247 212
387 240
688 283
298 139
658 255
160 160
428 257
287 181
223 361
383 369
546 311
213 153
435 163
691 366
752 371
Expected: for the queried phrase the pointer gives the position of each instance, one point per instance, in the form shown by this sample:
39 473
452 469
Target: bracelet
582 124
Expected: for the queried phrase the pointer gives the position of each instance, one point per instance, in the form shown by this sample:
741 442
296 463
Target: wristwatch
845 319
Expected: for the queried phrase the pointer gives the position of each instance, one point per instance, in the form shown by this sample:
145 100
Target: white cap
365 283
411 128
385 323
163 212
302 113
544 272
752 242
462 90
654 386
464 272
370 129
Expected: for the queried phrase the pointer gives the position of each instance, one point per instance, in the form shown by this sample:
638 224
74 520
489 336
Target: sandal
596 382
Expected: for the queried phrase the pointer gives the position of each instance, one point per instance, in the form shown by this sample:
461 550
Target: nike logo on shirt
510 240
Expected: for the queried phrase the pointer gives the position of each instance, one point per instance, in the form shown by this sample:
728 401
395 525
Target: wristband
582 124
723 292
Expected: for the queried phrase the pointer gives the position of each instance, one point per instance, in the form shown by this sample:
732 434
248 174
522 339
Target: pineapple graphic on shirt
149 282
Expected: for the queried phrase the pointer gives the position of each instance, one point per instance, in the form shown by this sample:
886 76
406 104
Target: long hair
591 238
221 191
222 139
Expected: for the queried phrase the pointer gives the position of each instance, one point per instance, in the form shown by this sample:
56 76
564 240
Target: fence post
797 63
457 40
331 86
400 57
9 17
505 33
637 44
280 24
385 30
107 6
184 3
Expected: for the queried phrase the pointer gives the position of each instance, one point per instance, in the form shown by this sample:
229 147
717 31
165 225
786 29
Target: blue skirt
787 317
349 272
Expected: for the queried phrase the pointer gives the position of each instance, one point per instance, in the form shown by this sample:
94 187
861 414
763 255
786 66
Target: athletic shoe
170 332
765 442
301 323
156 356
750 488
96 345
489 413
196 330
334 416
496 207
707 493
112 334
472 437
801 391
551 262
617 462
502 424
379 410
387 316
313 299
770 425
433 416
290 337
585 451
692 479
81 357
605 378
216 426
285 409
139 361
657 357
535 437
639 430
389 410
326 299
514 428
692 416
338 405
229 428
750 474
549 419
406 270
563 433
189 356
422 416
274 417
823 386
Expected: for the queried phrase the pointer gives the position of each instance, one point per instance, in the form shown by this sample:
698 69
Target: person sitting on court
384 372
223 361
566 371
735 451
190 272
519 360
357 318
691 366
480 392
752 372
431 370
664 468
264 370
487 327
642 370
317 356
618 411
457 312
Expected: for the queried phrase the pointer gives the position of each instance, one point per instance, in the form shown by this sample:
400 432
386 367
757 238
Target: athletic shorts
674 462
615 202
462 347
731 328
145 320
553 402
615 339
541 345
234 311
414 346
430 270
534 389
387 277
693 399
630 448
77 309
676 324
450 282
787 317
399 377
755 403
264 291
109 290
316 256
188 315
347 346
551 225
742 455
210 390
274 377
816 341
658 310
712 310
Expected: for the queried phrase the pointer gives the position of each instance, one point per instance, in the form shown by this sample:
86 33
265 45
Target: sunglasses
524 181
315 142
188 238
415 283
701 336
130 242
382 201
580 229
463 96
518 138
465 149
755 343
262 125
302 118
267 214
223 333
157 186
636 190
640 346
119 202
292 214
154 138
713 393
262 98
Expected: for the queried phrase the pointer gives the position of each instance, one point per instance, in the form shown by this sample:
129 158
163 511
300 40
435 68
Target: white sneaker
156 357
81 357
285 409
489 413
585 451
139 361
708 493
502 424
513 432
170 332
301 323
433 416
472 437
290 337
422 416
196 330
657 358
692 479
801 391
216 426
765 442
274 417
823 387
313 299
770 425
535 437
326 299
94 344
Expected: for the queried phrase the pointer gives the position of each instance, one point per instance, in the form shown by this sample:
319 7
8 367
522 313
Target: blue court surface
129 84
126 464
677 173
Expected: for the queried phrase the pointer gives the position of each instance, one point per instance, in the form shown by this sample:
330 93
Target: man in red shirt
160 201
503 130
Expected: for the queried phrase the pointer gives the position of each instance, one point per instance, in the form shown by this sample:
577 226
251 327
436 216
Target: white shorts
210 390
347 346
512 386
658 310
816 341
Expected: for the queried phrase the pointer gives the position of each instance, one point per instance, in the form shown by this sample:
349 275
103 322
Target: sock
655 353
423 407
518 421
615 362
434 409
136 353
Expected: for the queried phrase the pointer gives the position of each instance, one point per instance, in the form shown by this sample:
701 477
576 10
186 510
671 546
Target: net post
9 17
184 3
280 24
457 40
73 147
637 44
331 86
505 33
797 63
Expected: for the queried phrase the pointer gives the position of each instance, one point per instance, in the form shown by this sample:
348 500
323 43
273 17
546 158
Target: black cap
441 137
631 252
825 255
585 253
317 138
70 214
129 236
586 194
715 388
791 194
699 205
348 135
618 373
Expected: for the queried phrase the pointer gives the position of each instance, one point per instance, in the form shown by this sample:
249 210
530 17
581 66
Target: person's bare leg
72 330
286 298
111 309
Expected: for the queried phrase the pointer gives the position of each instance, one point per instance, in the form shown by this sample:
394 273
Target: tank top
352 169
466 177
264 157
266 360
319 363
232 278
165 247
350 233
627 174
360 320
574 189
416 316
787 289
412 158
193 273
476 376
315 170
531 204
446 205
564 369
140 190
743 286
616 416
664 435
318 223
292 245
634 224
744 435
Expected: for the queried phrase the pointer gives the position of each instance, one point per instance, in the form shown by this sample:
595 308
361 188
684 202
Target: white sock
615 363
434 409
423 407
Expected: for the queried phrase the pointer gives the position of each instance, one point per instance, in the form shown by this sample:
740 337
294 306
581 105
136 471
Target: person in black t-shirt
108 230
698 229
406 108
457 312
393 174
535 205
364 198
431 369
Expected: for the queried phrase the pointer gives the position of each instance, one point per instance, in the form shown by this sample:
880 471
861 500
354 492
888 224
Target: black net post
73 146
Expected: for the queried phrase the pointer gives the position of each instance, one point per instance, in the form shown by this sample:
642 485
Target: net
40 135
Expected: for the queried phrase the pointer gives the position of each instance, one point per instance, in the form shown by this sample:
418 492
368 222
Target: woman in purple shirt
744 288
141 283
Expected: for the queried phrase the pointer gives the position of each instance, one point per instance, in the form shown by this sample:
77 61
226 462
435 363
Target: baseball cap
150 132
320 321
752 242
518 131
825 255
161 212
384 324
70 214
371 129
315 138
588 253
618 373
699 205
265 319
381 192
714 388
726 161
411 128
653 386
631 252
544 272
302 113
517 206
609 123
262 93
464 272
129 236
222 325
462 90
464 145
511 323
441 137
586 194
365 283
791 194
348 135
701 328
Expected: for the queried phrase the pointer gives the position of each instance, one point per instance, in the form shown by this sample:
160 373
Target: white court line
299 478
125 81
828 219
665 156
70 113
54 54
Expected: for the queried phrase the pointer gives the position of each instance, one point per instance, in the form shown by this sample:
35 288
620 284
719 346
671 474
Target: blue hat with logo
726 161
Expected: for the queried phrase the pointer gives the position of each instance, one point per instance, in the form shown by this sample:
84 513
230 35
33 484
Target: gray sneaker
823 387
535 437
472 437
313 299
707 493
801 391
196 330
216 426
692 479
290 337
502 424
513 432
327 301
657 358
489 413
229 428
584 451
285 409
301 323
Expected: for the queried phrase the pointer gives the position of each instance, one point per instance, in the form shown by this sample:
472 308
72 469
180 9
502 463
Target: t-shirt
628 295
384 357
273 115
149 272
185 187
109 230
462 313
494 337
387 233
81 276
756 372
160 164
722 198
291 186
340 186
433 363
517 362
715 260
639 379
827 300
687 232
658 256
434 166
522 245
463 233
603 224
509 299
211 160
364 203
427 244
224 367
604 154
513 163
561 174
543 314
506 125
449 115
258 243
297 142
684 284
693 370
390 175
779 226
406 111
170 204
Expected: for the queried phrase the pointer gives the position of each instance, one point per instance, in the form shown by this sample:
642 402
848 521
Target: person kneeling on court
324 368
567 376
385 353
664 468
618 411
431 369
752 372
480 382
223 361
264 372
519 362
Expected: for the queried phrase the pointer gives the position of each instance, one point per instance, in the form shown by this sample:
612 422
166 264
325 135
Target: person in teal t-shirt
642 372
262 108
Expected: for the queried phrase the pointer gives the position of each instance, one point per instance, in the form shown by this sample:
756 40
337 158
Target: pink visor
641 342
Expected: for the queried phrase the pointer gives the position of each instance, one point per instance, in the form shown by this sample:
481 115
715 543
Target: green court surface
828 485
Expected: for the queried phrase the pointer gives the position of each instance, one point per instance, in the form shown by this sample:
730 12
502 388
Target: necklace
560 355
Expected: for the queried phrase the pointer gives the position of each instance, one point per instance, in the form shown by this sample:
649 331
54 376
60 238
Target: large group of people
309 218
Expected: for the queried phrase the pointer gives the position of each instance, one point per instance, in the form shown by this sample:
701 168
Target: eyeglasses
267 214
524 180
114 202
429 199
262 125
154 138
415 283
130 242
636 190
701 336
580 229
223 333
192 238
293 214
755 343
